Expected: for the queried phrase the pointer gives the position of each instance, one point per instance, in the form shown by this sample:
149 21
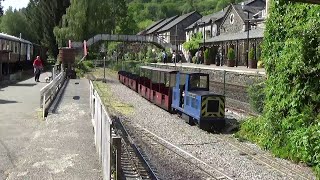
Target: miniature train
185 93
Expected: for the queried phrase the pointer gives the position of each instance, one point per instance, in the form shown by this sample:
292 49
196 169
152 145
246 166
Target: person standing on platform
189 57
164 56
38 67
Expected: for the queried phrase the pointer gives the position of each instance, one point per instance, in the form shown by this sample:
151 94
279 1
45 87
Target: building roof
242 11
161 24
13 38
248 2
211 17
149 27
254 33
176 21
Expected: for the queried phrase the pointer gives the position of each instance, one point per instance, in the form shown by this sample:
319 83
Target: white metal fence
48 93
101 122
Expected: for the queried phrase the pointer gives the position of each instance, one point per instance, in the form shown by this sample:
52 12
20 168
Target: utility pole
102 51
175 59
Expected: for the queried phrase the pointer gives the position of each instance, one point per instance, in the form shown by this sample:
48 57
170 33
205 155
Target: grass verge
110 102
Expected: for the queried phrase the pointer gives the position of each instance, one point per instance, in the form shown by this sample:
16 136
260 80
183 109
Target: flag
85 48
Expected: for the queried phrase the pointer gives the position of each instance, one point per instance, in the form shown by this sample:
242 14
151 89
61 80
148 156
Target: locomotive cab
193 100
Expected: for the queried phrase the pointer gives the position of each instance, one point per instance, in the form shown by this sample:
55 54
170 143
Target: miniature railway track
134 161
263 159
151 138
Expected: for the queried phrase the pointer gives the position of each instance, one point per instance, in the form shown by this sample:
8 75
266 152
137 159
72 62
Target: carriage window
172 80
182 79
16 47
198 81
155 76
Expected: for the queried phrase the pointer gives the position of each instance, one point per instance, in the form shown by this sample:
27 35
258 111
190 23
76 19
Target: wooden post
117 145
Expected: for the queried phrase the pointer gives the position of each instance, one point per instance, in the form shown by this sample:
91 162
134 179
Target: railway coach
16 54
177 92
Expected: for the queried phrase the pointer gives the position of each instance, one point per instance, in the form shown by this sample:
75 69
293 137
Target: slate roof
248 2
176 21
243 11
214 17
161 24
149 27
254 33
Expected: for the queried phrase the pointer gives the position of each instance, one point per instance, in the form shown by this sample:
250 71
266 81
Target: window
198 81
231 18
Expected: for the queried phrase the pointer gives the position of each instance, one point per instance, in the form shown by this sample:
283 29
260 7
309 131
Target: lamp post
102 51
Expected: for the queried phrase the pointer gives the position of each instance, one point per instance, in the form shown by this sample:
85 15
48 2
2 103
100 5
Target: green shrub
257 96
290 124
88 64
231 54
251 54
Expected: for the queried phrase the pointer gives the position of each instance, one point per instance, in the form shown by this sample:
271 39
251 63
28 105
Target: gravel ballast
206 146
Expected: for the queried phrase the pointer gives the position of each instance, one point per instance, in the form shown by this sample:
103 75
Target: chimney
242 5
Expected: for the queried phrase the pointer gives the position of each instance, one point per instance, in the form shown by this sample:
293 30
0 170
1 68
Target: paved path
62 147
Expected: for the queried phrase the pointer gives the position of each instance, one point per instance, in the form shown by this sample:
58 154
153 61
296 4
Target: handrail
48 93
118 37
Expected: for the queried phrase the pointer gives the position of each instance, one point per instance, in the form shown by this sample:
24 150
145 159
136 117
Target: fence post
116 141
53 73
44 106
224 82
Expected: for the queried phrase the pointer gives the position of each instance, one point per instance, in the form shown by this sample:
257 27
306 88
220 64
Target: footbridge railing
158 41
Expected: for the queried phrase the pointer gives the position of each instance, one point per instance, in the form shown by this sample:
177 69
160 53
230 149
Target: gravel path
206 146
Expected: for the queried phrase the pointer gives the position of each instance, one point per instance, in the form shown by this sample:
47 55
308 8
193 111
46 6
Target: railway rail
152 139
295 173
134 160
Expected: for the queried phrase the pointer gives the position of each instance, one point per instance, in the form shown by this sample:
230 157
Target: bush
251 54
257 96
194 59
290 124
231 54
88 64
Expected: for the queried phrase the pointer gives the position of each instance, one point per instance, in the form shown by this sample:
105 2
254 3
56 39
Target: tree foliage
194 42
290 125
14 23
86 18
43 16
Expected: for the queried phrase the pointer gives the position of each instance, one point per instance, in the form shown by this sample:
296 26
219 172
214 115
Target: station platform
239 69
61 147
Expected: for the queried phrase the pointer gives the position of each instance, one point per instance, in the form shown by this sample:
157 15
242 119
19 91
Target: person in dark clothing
165 57
37 65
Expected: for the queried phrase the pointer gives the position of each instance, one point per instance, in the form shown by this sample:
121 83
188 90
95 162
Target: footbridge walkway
156 40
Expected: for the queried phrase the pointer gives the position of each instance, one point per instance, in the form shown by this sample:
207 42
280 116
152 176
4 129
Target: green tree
14 23
1 8
44 15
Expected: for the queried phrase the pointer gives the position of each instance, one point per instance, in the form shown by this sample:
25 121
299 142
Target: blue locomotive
196 104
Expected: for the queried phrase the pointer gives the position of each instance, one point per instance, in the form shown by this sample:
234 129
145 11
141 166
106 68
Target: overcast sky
16 4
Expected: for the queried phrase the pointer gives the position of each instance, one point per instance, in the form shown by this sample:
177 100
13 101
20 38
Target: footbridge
156 40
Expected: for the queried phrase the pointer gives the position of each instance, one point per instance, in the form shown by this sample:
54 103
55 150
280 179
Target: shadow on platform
24 84
7 102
